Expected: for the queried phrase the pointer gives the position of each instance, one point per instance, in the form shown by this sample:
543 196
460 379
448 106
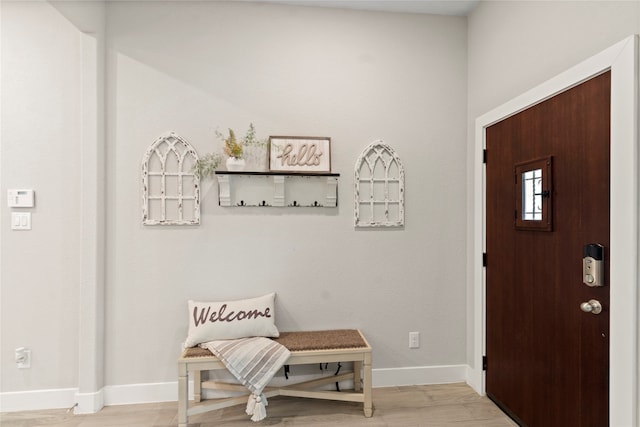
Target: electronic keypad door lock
593 265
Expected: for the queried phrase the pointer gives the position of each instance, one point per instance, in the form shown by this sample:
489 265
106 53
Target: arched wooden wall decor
379 192
170 189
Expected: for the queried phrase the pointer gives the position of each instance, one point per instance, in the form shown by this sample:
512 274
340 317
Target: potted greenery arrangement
235 152
233 149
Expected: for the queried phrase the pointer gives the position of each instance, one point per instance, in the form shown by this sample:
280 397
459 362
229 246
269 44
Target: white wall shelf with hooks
277 189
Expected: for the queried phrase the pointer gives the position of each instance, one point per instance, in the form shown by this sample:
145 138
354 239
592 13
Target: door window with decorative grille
171 191
379 187
533 192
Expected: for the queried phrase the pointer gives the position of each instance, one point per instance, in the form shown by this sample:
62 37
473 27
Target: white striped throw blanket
253 361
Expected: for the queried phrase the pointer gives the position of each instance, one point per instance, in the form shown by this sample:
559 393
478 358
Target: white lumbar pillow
225 320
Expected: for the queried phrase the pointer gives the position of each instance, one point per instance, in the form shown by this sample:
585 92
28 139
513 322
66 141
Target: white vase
234 164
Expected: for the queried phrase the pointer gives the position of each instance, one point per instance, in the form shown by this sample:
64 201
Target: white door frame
622 60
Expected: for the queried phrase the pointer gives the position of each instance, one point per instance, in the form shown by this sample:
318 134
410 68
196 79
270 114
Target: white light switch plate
21 220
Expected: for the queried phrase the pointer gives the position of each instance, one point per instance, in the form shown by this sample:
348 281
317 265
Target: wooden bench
312 347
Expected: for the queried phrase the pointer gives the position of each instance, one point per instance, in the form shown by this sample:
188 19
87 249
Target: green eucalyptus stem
207 165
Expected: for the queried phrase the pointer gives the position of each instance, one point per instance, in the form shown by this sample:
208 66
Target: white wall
516 45
40 147
189 68
352 76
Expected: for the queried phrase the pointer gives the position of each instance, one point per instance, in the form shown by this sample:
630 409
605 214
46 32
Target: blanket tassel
256 406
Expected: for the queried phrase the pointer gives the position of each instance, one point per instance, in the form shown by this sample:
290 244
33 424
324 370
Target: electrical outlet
23 358
414 339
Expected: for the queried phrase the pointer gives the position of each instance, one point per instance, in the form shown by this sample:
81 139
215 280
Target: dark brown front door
547 196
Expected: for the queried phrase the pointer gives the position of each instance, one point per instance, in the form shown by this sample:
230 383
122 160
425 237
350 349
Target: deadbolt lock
593 265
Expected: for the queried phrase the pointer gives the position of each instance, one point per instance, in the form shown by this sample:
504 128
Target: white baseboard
37 399
419 375
89 403
475 379
168 391
143 393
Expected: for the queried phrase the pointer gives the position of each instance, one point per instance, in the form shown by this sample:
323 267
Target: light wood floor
454 405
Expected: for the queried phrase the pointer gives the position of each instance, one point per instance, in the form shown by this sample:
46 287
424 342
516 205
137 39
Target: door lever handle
592 306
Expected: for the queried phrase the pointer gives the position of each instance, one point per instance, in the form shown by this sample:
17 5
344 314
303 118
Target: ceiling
434 7
440 7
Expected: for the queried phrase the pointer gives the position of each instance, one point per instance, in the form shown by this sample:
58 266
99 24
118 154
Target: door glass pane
533 191
532 195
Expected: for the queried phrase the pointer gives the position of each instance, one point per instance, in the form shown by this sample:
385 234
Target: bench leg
367 385
357 375
197 386
183 394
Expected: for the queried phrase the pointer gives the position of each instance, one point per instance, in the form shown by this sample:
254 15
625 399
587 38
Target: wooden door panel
547 360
